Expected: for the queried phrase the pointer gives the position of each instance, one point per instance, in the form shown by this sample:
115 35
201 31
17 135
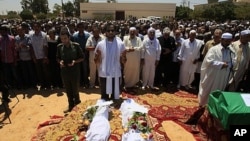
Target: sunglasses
112 30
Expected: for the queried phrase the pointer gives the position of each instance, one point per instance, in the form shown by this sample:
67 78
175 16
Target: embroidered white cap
227 36
132 28
192 31
244 32
151 30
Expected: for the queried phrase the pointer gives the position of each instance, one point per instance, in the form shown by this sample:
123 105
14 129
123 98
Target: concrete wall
138 10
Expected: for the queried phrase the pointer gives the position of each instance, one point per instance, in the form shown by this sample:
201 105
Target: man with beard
216 68
132 67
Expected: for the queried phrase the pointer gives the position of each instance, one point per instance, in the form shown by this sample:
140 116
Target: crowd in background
29 48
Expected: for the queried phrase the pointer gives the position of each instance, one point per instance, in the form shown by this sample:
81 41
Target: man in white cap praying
133 45
242 50
150 56
216 69
188 56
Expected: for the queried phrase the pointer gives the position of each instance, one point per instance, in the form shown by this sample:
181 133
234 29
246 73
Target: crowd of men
160 54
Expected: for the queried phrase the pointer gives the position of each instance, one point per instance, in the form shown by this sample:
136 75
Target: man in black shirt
163 73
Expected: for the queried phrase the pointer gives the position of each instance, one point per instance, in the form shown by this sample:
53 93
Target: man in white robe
109 54
188 57
242 51
150 56
90 46
133 46
216 68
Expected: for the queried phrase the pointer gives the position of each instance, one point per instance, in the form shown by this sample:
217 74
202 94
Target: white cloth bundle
128 107
99 129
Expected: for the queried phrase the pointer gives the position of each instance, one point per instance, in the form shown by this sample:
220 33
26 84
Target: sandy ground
35 107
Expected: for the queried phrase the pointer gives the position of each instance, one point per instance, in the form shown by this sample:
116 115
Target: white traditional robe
91 42
188 53
110 66
241 66
213 77
132 66
151 51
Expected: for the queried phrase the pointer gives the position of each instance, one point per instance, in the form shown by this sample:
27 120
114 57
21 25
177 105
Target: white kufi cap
151 30
244 32
192 31
227 36
132 28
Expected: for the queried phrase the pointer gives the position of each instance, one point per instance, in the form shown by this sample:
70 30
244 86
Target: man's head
192 35
20 31
177 33
132 32
96 31
166 32
37 27
217 35
151 33
244 36
226 39
80 27
110 31
4 29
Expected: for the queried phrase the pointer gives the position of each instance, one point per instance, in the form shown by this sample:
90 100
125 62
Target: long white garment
132 66
213 77
92 42
151 50
188 53
110 66
241 66
100 122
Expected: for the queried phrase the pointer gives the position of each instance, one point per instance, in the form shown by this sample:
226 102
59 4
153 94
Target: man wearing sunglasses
109 54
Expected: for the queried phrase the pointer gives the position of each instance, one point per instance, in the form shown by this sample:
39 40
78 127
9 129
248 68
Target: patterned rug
163 107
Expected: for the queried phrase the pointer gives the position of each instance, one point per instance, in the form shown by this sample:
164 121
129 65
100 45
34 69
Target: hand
166 51
180 62
124 53
98 55
45 60
177 44
142 62
22 45
34 60
61 64
90 48
131 49
72 63
156 62
123 58
225 65
195 61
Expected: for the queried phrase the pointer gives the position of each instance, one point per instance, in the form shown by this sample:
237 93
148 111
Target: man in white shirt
92 41
188 56
109 54
40 55
150 56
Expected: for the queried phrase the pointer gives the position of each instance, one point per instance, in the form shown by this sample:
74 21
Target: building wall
138 10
